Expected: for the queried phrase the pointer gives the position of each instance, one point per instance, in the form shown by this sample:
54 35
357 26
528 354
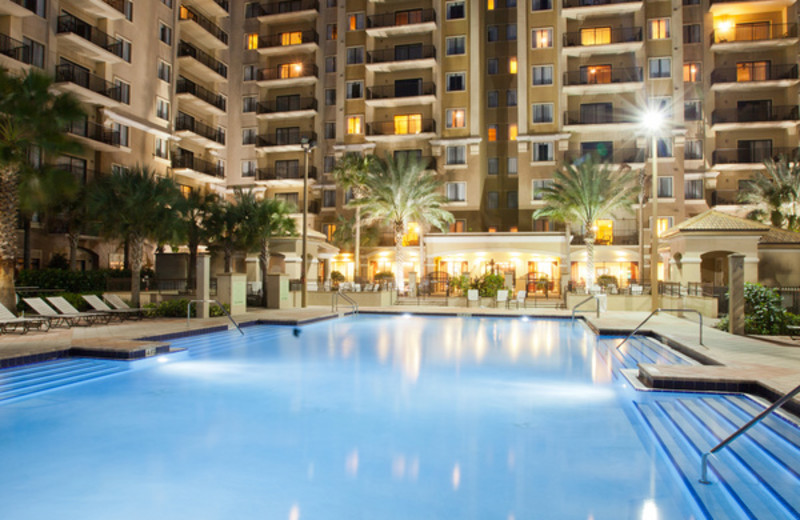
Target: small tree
194 209
776 193
350 172
222 224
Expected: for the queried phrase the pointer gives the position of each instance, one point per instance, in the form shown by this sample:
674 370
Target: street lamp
307 145
653 121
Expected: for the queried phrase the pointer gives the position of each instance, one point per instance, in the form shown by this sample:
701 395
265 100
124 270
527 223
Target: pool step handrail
335 301
732 437
639 326
189 312
590 298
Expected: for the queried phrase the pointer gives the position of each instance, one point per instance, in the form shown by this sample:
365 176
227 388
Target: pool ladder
189 311
335 301
639 326
594 297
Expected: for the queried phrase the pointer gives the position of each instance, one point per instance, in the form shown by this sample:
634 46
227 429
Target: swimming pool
375 417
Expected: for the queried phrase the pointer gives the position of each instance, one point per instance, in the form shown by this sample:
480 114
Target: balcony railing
392 91
588 3
186 86
406 128
599 76
287 105
286 39
274 174
617 155
187 122
591 38
613 117
289 6
755 32
69 24
753 73
119 5
306 70
747 156
754 115
401 18
284 139
191 162
186 49
15 49
187 13
73 74
726 197
94 131
401 54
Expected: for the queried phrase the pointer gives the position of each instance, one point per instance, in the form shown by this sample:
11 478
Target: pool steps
32 379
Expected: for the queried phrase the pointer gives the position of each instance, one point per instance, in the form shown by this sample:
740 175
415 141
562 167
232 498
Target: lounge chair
472 296
101 306
11 323
66 309
119 303
502 297
70 320
520 299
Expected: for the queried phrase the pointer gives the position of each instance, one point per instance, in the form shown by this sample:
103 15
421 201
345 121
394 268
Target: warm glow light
653 120
724 25
512 65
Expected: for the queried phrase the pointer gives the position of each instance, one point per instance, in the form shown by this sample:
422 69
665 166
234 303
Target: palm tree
222 225
262 220
401 190
344 236
776 194
583 193
350 172
194 209
73 214
135 205
32 118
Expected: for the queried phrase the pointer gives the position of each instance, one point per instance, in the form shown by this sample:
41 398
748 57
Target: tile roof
780 236
713 220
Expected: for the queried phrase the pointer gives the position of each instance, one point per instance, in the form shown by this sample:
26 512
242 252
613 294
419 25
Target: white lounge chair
502 297
520 299
11 323
636 289
472 296
101 306
42 309
119 303
66 309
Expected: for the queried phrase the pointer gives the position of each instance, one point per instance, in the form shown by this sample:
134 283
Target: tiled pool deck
735 363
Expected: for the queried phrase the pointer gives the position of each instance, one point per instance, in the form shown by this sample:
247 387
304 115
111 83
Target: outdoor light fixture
307 145
653 121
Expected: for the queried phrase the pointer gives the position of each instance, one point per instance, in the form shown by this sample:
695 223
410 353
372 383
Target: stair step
55 383
776 423
33 378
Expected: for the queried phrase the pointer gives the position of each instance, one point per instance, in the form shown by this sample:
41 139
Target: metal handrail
639 326
752 422
334 301
590 298
189 310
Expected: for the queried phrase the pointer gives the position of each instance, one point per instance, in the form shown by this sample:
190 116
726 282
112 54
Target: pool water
358 418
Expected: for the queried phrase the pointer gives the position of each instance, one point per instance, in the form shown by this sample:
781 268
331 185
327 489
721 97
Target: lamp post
307 145
653 121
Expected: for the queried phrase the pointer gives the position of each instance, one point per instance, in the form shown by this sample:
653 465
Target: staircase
32 379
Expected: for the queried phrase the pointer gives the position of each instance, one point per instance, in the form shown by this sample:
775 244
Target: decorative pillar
736 293
203 291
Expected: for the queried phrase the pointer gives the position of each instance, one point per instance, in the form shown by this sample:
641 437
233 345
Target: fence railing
187 49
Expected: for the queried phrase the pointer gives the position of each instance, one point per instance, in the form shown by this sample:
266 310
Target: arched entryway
714 267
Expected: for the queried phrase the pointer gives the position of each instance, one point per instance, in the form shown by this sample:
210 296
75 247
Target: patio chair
56 319
376 287
66 309
101 306
502 297
119 303
10 323
636 289
472 296
520 299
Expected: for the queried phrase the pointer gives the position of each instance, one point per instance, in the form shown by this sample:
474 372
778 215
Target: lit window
512 132
252 41
658 29
456 118
691 72
596 36
292 38
664 223
490 5
355 21
492 134
407 124
542 38
512 65
752 71
332 31
492 229
290 70
355 125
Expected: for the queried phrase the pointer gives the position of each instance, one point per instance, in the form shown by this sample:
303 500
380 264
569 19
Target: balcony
754 117
286 11
110 9
617 156
288 75
598 120
401 131
603 80
735 7
87 40
581 9
725 197
401 58
745 158
91 89
283 141
289 175
396 95
749 37
199 97
286 108
754 76
14 54
14 8
622 232
401 23
288 42
200 63
94 136
188 165
602 40
217 8
198 27
190 128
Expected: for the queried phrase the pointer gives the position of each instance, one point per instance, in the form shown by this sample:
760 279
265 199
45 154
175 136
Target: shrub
58 261
69 281
337 277
461 283
489 284
764 312
177 309
384 276
604 280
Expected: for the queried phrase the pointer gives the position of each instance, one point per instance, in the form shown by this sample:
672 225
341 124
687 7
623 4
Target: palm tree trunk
589 241
227 253
398 258
126 255
9 203
72 238
192 274
567 269
136 250
26 242
357 246
263 258
421 254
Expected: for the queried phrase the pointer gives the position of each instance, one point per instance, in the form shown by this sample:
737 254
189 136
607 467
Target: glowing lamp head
653 120
724 25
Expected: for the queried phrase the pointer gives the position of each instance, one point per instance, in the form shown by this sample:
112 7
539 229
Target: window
164 71
455 118
162 148
456 191
752 70
541 5
512 199
458 226
289 198
542 112
328 198
252 10
331 31
126 49
491 66
455 46
693 189
692 33
492 33
665 187
251 41
124 90
491 135
493 167
511 32
493 99
512 132
595 74
407 124
664 147
542 38
355 21
249 168
456 155
355 55
124 133
162 109
354 89
455 11
165 33
542 75
328 162
250 73
492 199
663 224
658 29
355 125
693 110
691 72
249 103
693 149
490 5
37 52
511 97
330 96
512 65
596 36
330 64
168 3
248 136
542 152
537 188
291 38
36 6
660 68
456 81
511 165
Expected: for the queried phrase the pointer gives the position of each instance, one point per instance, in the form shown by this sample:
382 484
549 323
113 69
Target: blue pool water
379 418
